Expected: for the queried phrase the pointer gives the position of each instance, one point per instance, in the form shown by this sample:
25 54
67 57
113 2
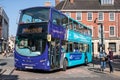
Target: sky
13 7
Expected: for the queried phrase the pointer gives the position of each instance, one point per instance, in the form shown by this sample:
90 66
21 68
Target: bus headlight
48 64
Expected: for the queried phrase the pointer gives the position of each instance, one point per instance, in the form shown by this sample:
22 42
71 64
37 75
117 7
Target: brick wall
106 23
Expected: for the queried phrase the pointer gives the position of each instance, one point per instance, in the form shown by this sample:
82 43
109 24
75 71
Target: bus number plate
28 67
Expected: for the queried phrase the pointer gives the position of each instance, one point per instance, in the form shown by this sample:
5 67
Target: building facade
11 43
4 30
92 12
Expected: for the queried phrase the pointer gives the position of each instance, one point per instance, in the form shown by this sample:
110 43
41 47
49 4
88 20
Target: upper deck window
33 15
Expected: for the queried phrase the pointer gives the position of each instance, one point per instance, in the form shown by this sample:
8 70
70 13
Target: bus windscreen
34 15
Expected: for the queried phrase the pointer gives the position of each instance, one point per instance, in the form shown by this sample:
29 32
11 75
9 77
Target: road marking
3 71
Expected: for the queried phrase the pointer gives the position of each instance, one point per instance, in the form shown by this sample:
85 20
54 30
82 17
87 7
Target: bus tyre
65 65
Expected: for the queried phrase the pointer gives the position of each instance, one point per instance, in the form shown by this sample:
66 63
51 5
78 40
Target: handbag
103 59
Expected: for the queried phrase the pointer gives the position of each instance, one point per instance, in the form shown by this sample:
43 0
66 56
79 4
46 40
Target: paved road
77 73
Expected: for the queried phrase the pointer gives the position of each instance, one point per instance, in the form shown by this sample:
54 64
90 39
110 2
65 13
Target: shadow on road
9 77
49 72
97 70
3 63
116 63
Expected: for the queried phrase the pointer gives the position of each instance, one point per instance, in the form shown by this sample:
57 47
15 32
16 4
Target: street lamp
101 35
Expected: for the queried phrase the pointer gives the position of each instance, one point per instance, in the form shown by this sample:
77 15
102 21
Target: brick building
4 30
107 12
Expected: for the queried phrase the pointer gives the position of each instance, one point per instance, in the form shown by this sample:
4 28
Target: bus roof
50 7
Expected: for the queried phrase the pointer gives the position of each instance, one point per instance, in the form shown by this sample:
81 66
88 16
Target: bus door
54 54
57 53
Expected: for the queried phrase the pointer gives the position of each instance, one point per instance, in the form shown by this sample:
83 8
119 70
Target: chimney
47 3
72 1
57 2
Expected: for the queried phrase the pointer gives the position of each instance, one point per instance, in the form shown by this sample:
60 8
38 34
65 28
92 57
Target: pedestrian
102 56
110 59
62 55
5 53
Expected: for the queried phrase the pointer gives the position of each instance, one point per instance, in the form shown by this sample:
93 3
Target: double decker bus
41 34
78 44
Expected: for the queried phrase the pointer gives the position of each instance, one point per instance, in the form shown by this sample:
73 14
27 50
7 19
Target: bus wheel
65 65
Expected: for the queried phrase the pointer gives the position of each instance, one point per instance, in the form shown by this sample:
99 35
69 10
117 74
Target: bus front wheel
65 65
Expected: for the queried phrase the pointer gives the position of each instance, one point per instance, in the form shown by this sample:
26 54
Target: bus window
77 27
34 15
56 19
81 29
22 43
81 47
27 18
76 47
70 24
67 47
85 48
71 48
36 46
64 21
74 25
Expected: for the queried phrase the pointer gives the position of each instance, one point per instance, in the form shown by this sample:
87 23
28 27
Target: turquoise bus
77 45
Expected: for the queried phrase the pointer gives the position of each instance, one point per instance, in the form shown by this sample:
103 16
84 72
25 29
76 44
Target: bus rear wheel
65 65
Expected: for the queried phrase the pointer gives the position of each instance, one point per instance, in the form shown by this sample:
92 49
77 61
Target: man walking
110 59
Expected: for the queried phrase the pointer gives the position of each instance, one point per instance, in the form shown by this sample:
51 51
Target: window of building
112 31
111 16
107 2
90 16
100 46
100 16
79 15
113 46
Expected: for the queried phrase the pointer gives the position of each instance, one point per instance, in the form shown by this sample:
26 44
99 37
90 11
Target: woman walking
102 56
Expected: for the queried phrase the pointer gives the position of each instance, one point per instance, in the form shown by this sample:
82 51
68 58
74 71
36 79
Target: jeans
111 65
103 65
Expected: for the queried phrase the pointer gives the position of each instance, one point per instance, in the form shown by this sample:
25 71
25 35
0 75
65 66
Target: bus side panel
89 56
75 59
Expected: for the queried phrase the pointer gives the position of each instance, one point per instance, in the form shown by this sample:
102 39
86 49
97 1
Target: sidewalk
96 69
